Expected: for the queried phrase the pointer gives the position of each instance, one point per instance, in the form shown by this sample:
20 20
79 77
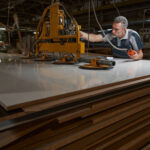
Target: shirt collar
126 35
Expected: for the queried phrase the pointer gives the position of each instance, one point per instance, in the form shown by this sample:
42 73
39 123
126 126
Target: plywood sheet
23 82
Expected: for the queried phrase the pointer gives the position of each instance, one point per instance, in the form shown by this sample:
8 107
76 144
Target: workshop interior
61 92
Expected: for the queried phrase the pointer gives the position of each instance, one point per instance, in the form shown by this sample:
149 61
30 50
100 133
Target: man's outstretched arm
91 37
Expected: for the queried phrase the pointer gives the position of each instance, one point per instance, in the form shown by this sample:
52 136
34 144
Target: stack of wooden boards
112 116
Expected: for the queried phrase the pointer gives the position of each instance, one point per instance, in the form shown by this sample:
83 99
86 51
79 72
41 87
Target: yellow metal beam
57 47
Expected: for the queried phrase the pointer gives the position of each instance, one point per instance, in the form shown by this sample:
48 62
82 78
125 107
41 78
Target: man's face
118 30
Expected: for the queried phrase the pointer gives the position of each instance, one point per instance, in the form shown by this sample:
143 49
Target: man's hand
81 34
135 55
131 52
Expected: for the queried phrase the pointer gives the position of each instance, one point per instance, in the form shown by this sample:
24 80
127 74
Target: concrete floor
28 81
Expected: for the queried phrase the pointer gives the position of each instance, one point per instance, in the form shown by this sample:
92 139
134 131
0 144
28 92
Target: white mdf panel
22 82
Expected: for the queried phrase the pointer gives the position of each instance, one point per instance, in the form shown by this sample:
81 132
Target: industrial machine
58 32
58 38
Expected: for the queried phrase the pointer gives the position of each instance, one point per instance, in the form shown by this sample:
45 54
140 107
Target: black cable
121 49
89 21
114 4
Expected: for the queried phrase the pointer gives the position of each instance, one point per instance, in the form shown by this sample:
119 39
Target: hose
121 49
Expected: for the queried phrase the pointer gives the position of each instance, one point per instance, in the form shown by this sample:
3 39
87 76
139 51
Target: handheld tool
131 52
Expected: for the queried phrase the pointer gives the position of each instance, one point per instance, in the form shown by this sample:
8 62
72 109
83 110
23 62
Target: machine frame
50 36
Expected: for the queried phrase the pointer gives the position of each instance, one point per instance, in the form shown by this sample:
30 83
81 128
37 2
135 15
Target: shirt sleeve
108 35
136 42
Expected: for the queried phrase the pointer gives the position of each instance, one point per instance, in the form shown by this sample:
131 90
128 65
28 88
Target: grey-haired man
121 37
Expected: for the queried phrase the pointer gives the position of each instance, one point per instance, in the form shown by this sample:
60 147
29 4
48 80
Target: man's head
119 26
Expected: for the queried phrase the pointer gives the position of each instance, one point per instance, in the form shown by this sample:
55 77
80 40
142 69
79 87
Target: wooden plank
123 98
146 147
104 134
133 141
85 94
64 98
70 108
75 114
117 100
72 135
9 136
123 109
47 132
96 107
78 135
13 116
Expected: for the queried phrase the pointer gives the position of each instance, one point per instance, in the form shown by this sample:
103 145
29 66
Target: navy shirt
130 40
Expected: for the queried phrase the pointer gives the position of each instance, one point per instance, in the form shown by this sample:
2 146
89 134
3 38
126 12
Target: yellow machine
58 32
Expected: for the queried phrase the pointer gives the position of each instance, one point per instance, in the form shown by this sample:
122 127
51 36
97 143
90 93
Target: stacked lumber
113 116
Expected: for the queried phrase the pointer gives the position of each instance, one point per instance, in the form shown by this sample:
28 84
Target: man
121 37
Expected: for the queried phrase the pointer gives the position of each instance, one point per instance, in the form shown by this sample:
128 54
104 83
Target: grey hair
123 20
